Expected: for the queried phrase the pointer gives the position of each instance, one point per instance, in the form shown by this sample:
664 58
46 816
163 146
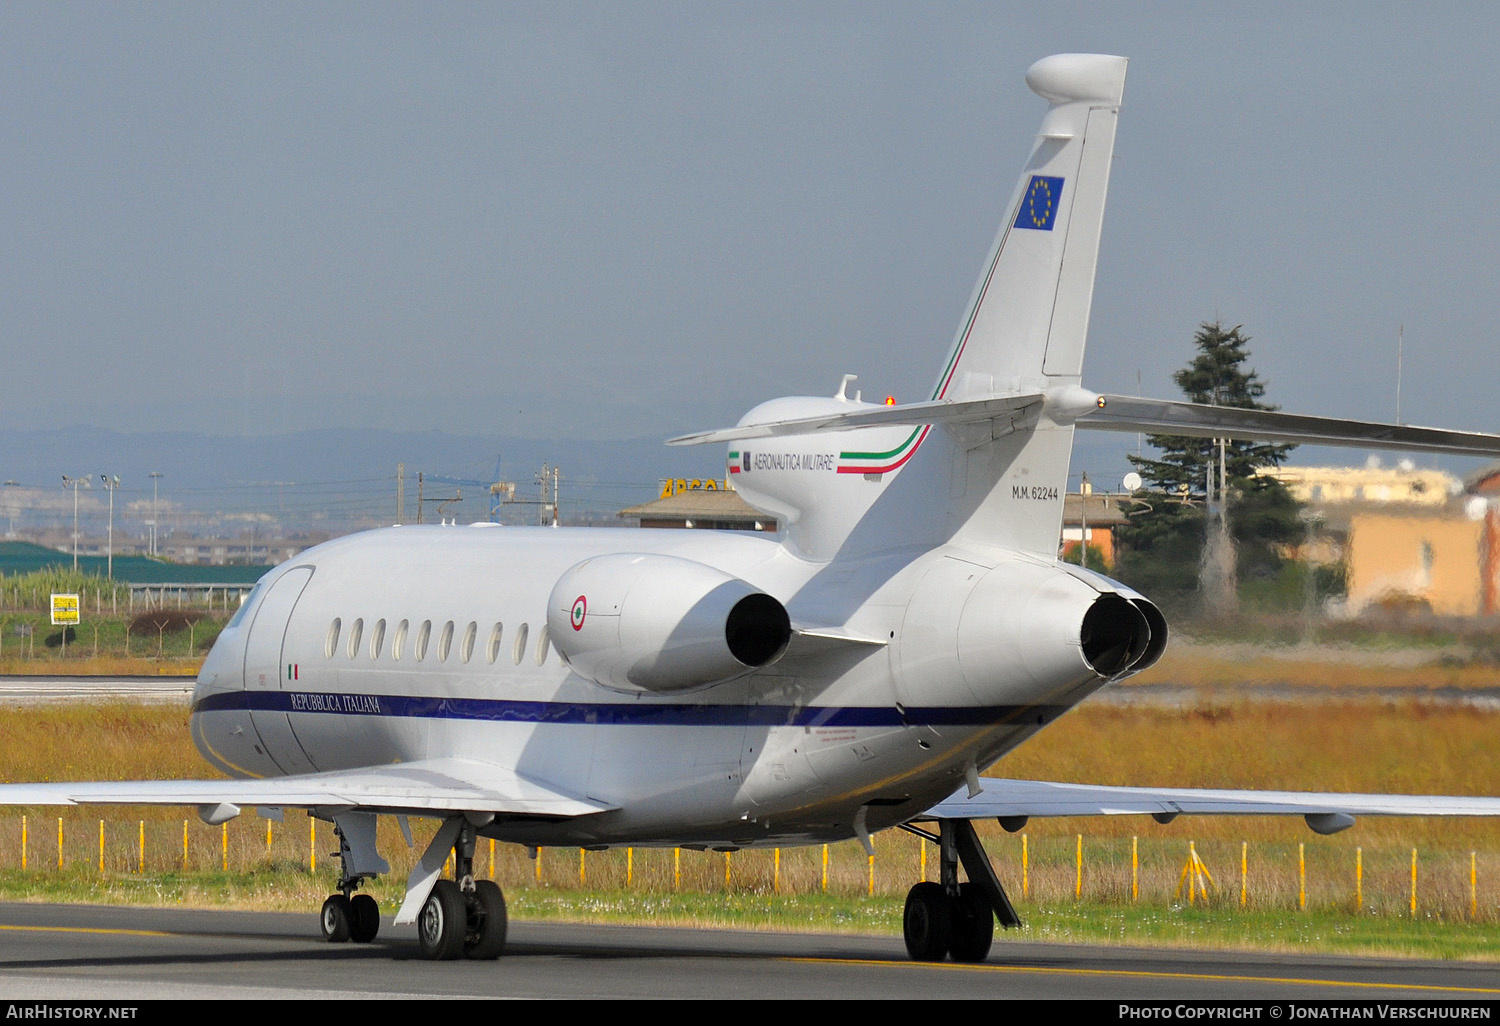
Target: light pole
155 477
75 483
110 484
11 508
1084 491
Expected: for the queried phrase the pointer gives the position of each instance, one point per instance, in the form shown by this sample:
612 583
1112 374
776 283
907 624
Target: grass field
1294 896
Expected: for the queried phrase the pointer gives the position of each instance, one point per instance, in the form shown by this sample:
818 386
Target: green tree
1163 543
1217 377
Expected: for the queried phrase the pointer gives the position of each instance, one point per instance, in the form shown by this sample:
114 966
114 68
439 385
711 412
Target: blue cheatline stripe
647 714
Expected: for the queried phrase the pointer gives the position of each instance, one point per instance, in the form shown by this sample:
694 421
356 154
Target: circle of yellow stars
1039 185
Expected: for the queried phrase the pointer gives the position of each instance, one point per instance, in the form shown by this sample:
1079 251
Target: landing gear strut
348 916
952 918
463 916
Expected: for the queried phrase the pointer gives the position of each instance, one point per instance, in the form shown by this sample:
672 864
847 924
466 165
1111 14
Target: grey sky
630 219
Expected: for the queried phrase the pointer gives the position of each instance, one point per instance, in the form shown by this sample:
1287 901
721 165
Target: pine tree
1216 377
1164 541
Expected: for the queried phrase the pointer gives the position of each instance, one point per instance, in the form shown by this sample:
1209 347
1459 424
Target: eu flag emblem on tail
1039 203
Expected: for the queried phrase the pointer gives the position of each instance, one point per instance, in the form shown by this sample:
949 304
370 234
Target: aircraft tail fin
1027 320
997 432
1028 316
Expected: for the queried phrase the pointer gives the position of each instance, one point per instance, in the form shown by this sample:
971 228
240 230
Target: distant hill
18 557
313 476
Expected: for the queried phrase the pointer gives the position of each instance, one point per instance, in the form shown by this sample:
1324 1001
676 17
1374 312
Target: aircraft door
265 672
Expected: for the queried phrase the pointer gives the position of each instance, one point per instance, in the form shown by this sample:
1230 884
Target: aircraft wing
1198 420
1326 812
425 787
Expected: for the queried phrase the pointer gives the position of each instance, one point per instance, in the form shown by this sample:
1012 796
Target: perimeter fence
1047 870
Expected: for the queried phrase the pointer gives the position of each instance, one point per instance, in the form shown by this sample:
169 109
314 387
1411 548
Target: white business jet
720 690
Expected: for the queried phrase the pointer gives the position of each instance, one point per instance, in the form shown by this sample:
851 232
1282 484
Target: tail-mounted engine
645 622
1056 622
1019 629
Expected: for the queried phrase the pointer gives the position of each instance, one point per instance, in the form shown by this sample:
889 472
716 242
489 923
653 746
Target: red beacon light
890 400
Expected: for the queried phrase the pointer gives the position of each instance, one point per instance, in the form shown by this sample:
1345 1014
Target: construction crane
500 491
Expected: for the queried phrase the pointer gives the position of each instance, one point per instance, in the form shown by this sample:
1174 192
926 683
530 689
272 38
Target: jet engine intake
649 622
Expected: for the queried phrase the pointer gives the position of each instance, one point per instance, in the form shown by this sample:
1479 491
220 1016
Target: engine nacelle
645 622
1055 627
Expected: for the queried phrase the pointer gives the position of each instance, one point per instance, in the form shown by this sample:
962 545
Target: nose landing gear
348 916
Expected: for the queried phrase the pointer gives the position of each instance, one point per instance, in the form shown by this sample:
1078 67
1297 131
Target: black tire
927 923
485 938
442 922
364 919
335 919
973 925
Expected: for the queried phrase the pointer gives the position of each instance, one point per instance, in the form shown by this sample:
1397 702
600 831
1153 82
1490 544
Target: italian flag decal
883 462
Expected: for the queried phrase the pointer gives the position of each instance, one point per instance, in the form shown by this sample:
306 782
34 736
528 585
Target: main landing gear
464 916
952 918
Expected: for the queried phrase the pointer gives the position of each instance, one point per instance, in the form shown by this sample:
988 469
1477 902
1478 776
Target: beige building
1411 539
718 507
1428 561
1371 484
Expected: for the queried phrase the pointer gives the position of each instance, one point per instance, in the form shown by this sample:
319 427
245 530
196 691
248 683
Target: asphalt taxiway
74 952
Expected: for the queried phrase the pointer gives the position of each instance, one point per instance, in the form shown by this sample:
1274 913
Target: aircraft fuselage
427 642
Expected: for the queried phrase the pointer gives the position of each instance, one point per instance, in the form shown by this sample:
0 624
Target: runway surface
24 689
82 952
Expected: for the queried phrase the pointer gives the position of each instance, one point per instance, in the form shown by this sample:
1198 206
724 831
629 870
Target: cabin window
493 652
424 633
466 649
519 650
398 643
332 644
377 638
445 642
542 637
356 630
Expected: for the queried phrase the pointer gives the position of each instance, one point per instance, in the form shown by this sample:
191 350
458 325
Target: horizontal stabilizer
940 411
1197 420
1012 799
438 786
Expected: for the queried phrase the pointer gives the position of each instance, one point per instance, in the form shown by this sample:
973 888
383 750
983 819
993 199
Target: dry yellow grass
1259 666
101 666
